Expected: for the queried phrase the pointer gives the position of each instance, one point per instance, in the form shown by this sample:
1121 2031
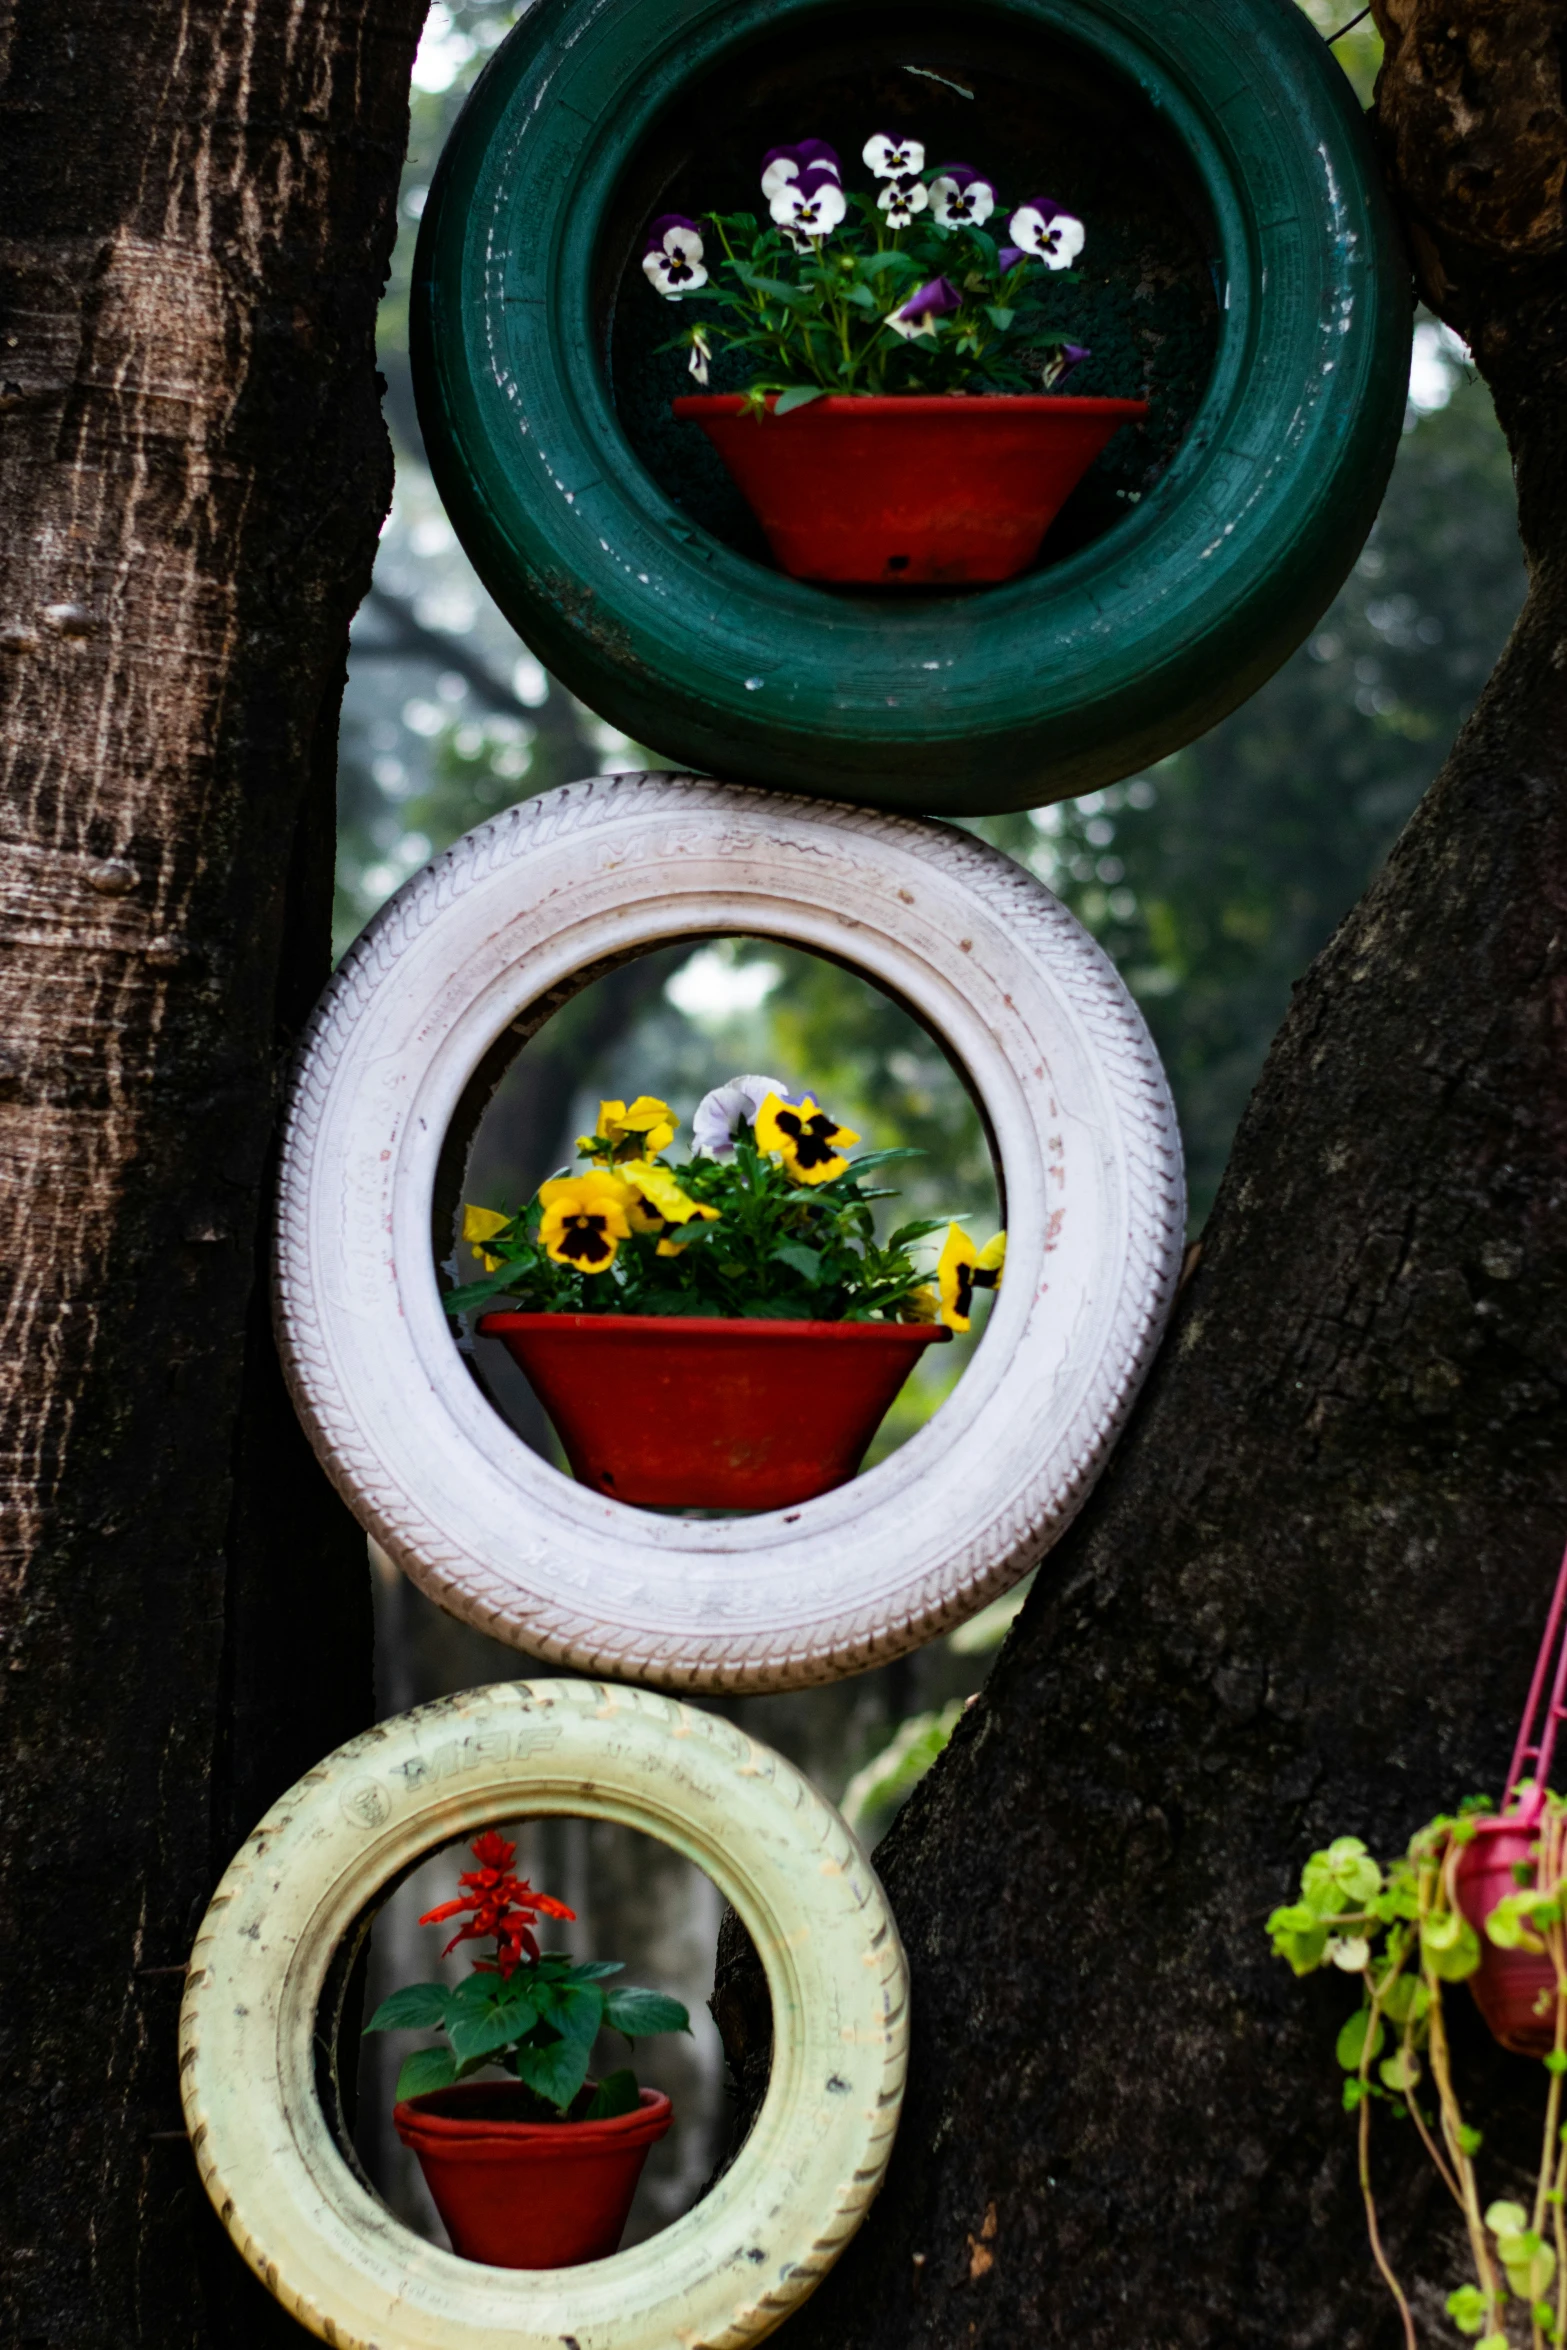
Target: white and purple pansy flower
719 1113
894 159
961 197
673 258
781 165
901 199
812 206
1041 227
1069 355
920 313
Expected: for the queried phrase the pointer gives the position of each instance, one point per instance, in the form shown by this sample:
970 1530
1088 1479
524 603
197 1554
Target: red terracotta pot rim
719 1326
449 2133
921 404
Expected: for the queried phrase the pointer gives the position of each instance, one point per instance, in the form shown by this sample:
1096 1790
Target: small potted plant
861 316
535 2168
724 1332
1479 1897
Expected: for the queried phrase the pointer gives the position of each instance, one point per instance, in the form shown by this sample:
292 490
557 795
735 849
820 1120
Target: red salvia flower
503 1907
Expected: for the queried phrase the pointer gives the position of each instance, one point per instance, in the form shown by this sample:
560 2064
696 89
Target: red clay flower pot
712 1414
1515 1990
526 2194
918 491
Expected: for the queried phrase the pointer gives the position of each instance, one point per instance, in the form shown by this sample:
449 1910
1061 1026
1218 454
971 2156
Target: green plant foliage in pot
1478 1898
1243 278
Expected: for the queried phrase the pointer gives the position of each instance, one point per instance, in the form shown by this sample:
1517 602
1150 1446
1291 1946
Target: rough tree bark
198 207
1305 1598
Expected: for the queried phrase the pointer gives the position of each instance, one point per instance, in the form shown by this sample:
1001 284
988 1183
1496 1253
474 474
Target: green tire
1112 656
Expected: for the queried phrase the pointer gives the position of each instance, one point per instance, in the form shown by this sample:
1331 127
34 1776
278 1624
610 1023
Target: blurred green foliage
1215 878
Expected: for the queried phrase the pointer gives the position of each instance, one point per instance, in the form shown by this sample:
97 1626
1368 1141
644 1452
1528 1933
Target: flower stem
1452 2118
1367 2194
1419 2119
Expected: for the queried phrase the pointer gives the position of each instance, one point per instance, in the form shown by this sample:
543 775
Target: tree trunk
1305 1598
199 206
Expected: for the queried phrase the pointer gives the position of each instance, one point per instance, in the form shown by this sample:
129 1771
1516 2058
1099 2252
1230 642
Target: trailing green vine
1400 1929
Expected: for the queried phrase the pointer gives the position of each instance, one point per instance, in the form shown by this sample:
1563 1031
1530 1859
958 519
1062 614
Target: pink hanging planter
1516 1990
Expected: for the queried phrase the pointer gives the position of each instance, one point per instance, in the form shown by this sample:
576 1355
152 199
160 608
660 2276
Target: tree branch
409 638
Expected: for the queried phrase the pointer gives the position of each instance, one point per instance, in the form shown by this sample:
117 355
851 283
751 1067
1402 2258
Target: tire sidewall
731 2269
1065 1075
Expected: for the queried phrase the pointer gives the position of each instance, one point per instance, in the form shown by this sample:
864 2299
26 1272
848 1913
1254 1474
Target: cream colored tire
505 923
732 2268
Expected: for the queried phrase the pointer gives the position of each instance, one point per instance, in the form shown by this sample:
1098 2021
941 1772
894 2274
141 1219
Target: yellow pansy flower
646 1127
584 1219
808 1141
921 1305
660 1203
480 1225
963 1269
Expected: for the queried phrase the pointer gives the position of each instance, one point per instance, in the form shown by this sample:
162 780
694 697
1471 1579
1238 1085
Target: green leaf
1466 2307
1449 1946
869 1159
478 1990
1351 2042
797 396
640 2013
593 1970
1405 1997
1400 2071
901 264
999 316
426 2069
483 2029
1342 1877
1529 2261
792 297
1506 2219
1509 1923
479 1293
557 2068
419 2007
616 2093
907 1234
1469 2141
807 1262
1299 1935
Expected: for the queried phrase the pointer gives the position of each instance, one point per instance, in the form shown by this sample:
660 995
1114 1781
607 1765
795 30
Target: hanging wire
1348 28
1537 1734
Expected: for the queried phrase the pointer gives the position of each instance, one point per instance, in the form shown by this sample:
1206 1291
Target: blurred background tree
1212 880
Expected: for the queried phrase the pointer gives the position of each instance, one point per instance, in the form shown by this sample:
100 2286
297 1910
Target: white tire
731 2269
1066 1074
